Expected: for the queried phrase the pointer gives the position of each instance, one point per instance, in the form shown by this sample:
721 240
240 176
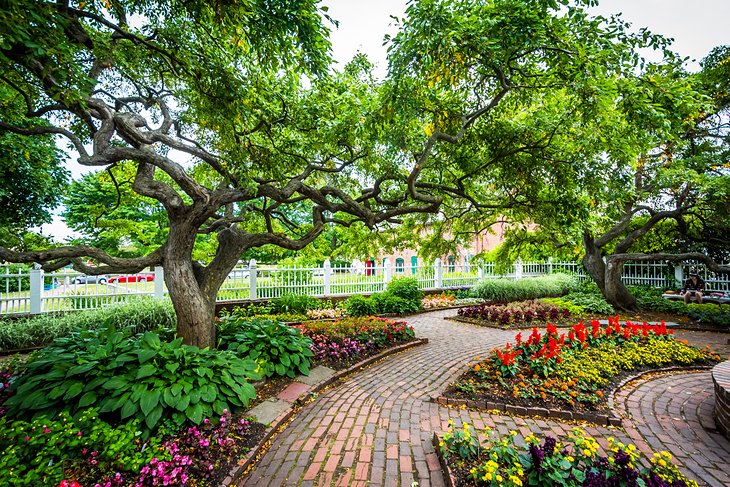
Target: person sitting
694 286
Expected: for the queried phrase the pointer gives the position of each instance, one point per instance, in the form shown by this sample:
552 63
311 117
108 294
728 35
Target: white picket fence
36 292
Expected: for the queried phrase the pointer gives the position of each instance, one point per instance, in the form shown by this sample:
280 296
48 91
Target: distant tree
31 177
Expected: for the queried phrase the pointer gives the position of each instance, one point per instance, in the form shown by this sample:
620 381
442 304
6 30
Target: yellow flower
516 480
498 478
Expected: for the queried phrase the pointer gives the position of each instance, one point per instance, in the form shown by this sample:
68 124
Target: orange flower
543 396
599 394
477 368
564 387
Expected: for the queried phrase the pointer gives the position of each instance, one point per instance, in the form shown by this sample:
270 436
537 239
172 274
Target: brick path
375 428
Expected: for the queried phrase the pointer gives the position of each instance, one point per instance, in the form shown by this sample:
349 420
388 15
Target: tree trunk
608 279
195 309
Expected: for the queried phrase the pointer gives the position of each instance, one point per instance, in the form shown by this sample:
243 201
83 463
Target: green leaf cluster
402 296
132 377
277 348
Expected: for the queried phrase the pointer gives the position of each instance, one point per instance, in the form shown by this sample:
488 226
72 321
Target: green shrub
277 348
574 309
405 288
717 314
37 452
505 290
294 303
360 306
386 303
590 302
132 377
139 314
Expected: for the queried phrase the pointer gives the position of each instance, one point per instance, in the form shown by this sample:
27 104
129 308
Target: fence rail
36 292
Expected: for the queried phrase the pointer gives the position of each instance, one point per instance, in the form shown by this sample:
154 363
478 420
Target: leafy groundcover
506 461
573 369
113 408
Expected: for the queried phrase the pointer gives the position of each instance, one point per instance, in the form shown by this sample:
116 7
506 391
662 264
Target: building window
414 264
399 265
452 263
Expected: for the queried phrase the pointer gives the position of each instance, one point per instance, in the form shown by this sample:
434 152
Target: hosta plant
277 348
131 377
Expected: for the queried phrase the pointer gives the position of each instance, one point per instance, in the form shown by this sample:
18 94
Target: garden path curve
375 427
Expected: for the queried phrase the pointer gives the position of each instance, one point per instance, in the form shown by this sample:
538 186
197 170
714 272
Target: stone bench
721 380
705 298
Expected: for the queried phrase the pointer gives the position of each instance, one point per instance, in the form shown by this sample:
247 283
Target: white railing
37 292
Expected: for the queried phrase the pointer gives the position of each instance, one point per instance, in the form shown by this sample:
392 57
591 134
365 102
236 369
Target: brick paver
375 427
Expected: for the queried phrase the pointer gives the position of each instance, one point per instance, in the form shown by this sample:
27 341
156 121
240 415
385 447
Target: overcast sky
695 25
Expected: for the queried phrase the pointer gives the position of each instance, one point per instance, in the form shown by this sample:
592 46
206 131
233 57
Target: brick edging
245 463
510 409
665 370
449 479
721 411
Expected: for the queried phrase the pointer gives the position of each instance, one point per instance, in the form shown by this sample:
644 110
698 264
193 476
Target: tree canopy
227 116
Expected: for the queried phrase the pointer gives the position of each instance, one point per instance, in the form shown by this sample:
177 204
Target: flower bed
573 371
340 343
499 462
514 315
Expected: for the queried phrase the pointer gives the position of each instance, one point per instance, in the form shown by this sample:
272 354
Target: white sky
695 25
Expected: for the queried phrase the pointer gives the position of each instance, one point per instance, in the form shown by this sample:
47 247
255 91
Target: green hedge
505 290
140 314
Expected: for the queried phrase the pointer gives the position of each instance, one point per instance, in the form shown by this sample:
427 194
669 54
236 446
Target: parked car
84 279
141 277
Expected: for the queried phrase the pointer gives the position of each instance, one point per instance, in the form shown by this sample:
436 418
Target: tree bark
195 309
607 276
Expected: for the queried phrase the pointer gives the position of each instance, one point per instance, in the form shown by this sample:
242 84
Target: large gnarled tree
233 102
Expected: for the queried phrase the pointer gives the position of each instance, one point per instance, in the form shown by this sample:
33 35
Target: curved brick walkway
674 413
375 428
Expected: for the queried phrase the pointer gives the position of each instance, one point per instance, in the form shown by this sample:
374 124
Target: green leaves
139 378
277 348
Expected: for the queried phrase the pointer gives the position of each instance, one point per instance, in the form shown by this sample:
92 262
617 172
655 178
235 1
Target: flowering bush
442 300
36 452
341 341
499 462
570 369
94 453
523 312
330 313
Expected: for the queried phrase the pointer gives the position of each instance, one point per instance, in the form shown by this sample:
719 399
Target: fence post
438 273
36 291
679 275
327 277
386 272
159 282
550 265
480 271
518 269
252 279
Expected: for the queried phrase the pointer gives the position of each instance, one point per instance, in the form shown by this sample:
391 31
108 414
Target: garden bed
141 403
573 372
501 460
513 316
